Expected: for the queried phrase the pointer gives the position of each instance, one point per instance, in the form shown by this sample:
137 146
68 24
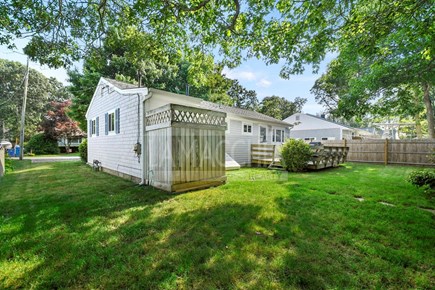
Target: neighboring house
72 143
116 123
312 128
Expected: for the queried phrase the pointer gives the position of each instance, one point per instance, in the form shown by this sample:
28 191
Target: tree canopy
386 44
41 91
297 32
129 55
57 125
281 108
242 97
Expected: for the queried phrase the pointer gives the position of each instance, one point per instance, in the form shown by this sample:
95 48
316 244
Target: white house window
263 136
93 127
278 135
298 117
324 138
247 129
112 122
310 139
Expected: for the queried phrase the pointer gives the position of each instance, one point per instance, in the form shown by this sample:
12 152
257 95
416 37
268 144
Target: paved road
51 159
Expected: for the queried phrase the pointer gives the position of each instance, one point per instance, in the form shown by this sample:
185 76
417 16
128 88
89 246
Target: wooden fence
407 152
186 148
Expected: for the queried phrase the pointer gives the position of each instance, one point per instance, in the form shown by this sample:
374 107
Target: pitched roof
242 112
323 119
212 106
121 85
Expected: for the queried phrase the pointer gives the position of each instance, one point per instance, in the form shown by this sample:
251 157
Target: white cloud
244 75
264 83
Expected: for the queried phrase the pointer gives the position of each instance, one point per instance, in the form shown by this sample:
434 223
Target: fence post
386 152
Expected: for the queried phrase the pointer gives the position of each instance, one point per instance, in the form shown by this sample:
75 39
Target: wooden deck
322 156
327 156
265 155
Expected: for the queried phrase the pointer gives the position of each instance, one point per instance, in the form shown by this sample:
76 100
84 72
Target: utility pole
23 110
4 130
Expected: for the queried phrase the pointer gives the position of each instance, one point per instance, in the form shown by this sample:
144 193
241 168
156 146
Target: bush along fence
405 152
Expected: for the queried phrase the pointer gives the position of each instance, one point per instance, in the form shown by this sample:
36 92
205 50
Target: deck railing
322 156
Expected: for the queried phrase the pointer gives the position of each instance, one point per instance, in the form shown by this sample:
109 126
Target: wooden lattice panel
195 117
158 118
172 113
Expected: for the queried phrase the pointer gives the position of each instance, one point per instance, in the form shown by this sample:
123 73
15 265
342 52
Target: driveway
50 159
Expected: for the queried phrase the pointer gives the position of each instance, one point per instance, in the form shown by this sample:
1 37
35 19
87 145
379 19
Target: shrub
39 144
431 157
295 155
8 165
83 150
422 178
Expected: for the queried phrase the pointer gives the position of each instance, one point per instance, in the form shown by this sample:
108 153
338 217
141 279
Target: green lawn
63 225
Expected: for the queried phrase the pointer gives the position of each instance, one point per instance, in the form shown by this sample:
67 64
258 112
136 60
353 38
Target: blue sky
252 74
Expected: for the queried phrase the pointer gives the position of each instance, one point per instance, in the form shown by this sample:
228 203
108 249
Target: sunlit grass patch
67 226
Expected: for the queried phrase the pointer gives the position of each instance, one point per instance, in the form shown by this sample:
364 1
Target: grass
65 226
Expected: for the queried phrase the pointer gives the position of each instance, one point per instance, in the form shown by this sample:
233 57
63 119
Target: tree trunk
429 111
418 126
417 118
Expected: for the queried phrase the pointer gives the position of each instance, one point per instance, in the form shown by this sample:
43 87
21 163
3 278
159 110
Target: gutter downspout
144 179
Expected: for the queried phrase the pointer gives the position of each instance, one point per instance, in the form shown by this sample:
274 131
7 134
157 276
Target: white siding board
238 146
115 152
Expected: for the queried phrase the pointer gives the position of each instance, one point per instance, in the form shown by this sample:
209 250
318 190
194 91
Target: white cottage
312 128
121 117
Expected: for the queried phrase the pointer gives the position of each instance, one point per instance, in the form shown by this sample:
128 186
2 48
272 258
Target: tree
57 125
397 36
127 54
242 97
82 88
281 108
297 32
354 86
41 91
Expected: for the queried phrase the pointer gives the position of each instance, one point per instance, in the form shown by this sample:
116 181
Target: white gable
308 122
105 84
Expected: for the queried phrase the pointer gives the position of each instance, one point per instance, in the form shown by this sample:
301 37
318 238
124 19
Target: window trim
111 132
274 135
94 127
259 134
243 128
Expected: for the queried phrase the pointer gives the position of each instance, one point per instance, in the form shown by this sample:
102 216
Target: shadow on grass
90 230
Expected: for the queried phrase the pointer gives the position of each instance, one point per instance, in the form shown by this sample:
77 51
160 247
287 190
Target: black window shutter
97 126
106 121
117 121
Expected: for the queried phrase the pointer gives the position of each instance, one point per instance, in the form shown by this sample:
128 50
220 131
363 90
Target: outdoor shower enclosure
185 148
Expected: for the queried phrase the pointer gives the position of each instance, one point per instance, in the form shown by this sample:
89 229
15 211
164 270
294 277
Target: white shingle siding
238 145
316 133
315 127
116 151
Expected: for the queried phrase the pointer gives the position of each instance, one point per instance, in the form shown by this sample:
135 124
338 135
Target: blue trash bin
17 150
11 152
